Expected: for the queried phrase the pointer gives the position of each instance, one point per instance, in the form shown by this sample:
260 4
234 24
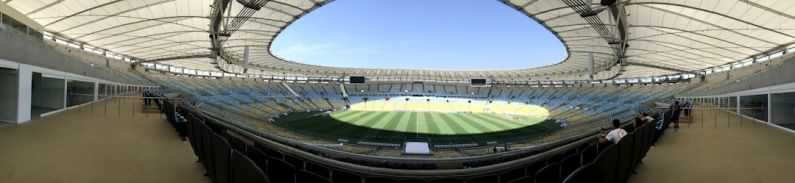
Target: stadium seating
220 148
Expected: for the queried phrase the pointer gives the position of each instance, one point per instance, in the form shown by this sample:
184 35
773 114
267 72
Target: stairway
290 89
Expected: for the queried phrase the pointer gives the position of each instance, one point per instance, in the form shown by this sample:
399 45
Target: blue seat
244 170
280 170
626 148
550 173
221 158
581 175
344 176
304 176
606 165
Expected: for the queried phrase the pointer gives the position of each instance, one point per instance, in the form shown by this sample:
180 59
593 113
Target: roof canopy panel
680 35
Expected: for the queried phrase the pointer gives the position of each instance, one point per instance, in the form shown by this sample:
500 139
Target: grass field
397 127
434 122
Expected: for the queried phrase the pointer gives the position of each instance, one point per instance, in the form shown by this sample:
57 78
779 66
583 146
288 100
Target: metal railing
128 104
706 115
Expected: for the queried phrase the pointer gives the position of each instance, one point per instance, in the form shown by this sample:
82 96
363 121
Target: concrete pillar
65 91
590 66
738 105
96 91
769 107
25 88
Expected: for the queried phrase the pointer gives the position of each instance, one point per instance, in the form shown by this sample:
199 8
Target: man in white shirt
617 133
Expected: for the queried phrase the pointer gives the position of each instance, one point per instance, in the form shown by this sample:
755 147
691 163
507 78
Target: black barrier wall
233 154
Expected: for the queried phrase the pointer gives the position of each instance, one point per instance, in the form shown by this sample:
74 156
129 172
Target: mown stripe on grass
395 124
381 123
341 114
360 120
402 124
461 127
449 124
369 121
433 128
411 123
504 122
444 128
512 123
316 125
483 126
499 125
422 123
353 116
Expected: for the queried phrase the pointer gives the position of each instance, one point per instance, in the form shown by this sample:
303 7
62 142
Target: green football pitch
396 127
433 122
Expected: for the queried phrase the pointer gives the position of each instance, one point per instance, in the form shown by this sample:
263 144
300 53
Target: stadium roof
658 38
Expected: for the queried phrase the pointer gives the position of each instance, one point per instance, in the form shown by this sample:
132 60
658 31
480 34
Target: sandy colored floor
92 145
725 149
82 145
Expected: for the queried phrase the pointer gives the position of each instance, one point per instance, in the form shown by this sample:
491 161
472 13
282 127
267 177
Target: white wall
23 98
24 95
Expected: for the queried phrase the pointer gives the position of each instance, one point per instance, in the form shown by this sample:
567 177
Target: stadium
202 91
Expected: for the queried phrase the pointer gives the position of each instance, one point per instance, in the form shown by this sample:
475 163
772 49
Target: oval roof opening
418 34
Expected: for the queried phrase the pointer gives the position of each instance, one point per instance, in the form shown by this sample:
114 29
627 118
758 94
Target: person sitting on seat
602 136
637 122
617 133
646 118
603 143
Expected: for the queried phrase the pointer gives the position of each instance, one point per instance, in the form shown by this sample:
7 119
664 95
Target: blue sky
419 34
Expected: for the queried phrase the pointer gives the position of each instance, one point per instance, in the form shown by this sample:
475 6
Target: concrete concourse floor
122 145
724 150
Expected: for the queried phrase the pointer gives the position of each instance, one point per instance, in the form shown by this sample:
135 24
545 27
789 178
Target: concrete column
96 91
738 105
25 88
590 66
65 91
769 107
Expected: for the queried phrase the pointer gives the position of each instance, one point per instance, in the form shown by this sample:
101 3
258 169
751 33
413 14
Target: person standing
675 110
146 100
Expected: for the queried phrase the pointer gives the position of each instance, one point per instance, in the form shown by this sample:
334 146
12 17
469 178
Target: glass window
79 92
776 55
754 106
59 41
35 34
13 23
73 45
762 58
782 109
